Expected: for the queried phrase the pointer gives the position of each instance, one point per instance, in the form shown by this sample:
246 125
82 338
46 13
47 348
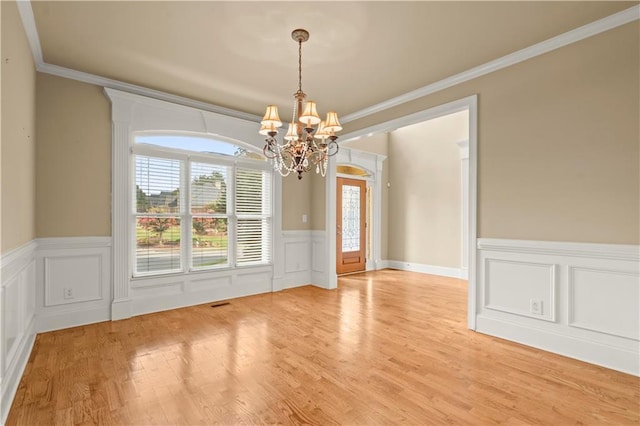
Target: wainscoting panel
296 256
591 290
73 281
535 283
297 259
208 284
63 270
576 299
162 293
17 322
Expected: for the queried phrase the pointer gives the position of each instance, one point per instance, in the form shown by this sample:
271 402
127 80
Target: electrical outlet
535 306
68 293
304 218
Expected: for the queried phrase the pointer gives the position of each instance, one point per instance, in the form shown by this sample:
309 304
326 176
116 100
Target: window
199 210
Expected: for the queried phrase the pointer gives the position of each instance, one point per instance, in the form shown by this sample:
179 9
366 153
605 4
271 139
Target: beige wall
18 133
425 194
558 142
296 201
73 159
378 144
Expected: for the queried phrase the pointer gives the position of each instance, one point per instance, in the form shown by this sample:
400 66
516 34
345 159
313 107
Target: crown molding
29 24
573 36
143 91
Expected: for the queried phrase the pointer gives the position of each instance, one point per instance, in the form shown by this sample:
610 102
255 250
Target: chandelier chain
299 65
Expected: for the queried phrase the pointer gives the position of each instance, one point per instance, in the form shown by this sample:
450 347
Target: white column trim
121 114
472 197
278 237
463 145
377 214
330 225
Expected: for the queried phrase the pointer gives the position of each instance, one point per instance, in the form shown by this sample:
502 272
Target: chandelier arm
268 149
332 148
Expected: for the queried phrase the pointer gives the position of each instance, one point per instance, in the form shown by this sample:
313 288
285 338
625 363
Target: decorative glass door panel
351 229
350 218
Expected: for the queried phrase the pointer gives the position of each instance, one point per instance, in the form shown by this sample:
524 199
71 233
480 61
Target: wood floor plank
387 347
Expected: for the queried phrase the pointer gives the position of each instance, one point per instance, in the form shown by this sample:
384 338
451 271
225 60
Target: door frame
363 235
469 103
372 164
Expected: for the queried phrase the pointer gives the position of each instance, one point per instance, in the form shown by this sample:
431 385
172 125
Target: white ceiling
240 55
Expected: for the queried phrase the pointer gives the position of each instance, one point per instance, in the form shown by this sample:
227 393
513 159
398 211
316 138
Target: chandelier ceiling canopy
304 146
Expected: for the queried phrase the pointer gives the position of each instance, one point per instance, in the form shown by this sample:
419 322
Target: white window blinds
196 215
253 212
157 216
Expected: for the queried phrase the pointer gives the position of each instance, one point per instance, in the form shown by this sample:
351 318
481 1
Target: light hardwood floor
387 347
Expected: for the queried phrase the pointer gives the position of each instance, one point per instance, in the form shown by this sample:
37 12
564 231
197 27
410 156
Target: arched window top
352 170
198 143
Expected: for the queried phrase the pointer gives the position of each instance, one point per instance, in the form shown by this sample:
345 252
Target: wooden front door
350 224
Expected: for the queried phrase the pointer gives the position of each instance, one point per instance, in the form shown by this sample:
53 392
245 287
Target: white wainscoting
318 258
587 295
444 271
180 290
297 260
73 282
17 330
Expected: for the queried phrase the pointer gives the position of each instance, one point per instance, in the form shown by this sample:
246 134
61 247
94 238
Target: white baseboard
51 321
292 280
422 268
616 358
464 273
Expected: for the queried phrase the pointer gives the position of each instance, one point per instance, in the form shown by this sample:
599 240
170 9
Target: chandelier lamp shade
309 141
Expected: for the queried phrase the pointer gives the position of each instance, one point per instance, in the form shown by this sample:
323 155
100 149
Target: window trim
186 158
132 113
199 135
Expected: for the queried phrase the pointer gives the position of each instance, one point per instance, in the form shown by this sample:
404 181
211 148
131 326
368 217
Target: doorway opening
468 159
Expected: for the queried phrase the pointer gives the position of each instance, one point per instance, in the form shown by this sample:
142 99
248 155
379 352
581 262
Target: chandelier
302 149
